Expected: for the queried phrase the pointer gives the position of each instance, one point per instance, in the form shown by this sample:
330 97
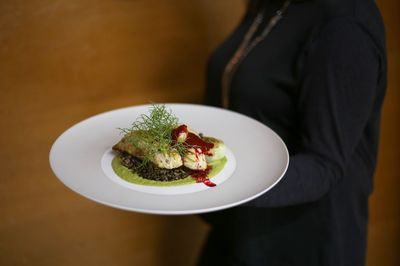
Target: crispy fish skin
162 160
124 145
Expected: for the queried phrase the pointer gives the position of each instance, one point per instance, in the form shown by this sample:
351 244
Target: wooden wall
63 61
384 230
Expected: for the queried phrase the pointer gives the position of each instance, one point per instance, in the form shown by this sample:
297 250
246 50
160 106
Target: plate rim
160 211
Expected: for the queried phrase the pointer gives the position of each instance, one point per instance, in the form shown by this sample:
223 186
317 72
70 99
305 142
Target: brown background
63 61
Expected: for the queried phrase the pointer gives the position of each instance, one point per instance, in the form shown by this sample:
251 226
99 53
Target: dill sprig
156 130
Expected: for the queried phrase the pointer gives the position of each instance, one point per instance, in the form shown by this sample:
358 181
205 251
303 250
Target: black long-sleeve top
318 80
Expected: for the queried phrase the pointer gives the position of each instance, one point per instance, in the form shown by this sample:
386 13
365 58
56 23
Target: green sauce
130 176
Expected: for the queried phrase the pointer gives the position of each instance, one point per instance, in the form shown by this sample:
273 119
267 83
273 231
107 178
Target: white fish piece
218 151
195 159
182 136
168 161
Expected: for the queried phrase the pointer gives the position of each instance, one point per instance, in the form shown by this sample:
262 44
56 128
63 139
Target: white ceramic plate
257 160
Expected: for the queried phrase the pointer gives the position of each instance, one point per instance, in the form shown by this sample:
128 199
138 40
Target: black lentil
151 171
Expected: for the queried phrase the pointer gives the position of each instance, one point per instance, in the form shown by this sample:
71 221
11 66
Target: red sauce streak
194 141
201 176
179 130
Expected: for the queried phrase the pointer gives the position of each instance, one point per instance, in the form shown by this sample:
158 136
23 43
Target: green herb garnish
155 133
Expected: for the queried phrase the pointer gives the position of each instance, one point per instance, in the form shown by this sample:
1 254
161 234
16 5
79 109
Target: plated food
159 151
82 158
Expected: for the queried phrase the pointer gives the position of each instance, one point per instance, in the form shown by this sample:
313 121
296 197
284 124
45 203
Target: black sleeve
335 101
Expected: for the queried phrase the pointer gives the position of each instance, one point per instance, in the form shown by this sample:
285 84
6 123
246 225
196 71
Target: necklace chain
246 46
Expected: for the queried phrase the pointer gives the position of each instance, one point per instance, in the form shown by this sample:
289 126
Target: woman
315 72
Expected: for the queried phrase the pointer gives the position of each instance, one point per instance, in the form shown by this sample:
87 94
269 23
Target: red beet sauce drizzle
192 140
201 176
